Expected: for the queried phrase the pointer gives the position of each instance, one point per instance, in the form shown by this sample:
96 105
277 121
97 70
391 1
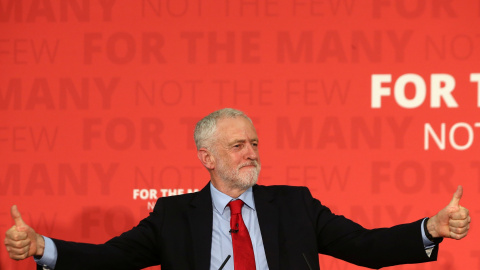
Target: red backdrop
371 104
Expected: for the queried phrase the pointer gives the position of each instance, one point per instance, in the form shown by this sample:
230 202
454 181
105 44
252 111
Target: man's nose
251 152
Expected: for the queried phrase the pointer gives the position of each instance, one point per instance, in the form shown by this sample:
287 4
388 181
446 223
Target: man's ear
206 158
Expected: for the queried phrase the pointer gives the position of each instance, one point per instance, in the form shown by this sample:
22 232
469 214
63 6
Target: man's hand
453 221
21 240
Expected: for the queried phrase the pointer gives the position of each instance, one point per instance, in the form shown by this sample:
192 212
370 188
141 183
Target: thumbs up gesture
453 221
21 240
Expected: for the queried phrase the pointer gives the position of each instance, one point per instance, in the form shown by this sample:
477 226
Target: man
287 227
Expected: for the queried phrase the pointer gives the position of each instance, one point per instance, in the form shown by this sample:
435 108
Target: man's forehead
236 128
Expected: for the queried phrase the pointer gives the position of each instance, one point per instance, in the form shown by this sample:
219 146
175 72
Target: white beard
236 179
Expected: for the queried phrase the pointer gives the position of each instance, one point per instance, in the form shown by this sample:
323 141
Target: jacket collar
201 215
268 218
200 218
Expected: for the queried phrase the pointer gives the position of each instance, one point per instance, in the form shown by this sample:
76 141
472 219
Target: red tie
243 257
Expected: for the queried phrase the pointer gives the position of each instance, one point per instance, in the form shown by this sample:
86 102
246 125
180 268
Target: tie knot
235 206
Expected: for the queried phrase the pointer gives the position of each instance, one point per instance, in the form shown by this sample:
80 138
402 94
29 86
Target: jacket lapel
200 218
268 216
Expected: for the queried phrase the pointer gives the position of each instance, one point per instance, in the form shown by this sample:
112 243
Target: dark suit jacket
295 227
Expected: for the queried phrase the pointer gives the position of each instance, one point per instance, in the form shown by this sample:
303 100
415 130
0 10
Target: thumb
17 217
456 197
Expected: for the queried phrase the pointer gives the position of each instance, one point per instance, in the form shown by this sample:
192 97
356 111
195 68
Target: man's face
237 163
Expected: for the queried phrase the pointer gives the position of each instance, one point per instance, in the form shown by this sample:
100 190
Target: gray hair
206 127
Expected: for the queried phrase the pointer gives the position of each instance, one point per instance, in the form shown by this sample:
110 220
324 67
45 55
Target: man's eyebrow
237 141
242 141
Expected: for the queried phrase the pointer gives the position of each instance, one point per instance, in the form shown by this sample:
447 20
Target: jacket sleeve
134 249
342 238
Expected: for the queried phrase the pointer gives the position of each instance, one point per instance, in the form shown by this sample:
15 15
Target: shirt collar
220 200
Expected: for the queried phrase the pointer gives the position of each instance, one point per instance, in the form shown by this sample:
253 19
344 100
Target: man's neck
230 191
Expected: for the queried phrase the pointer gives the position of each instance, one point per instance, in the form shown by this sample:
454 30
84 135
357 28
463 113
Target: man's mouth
248 165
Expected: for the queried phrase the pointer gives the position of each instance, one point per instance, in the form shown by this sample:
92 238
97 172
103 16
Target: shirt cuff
426 242
49 258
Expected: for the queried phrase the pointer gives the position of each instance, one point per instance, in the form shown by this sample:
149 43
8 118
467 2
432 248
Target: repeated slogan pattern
371 104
